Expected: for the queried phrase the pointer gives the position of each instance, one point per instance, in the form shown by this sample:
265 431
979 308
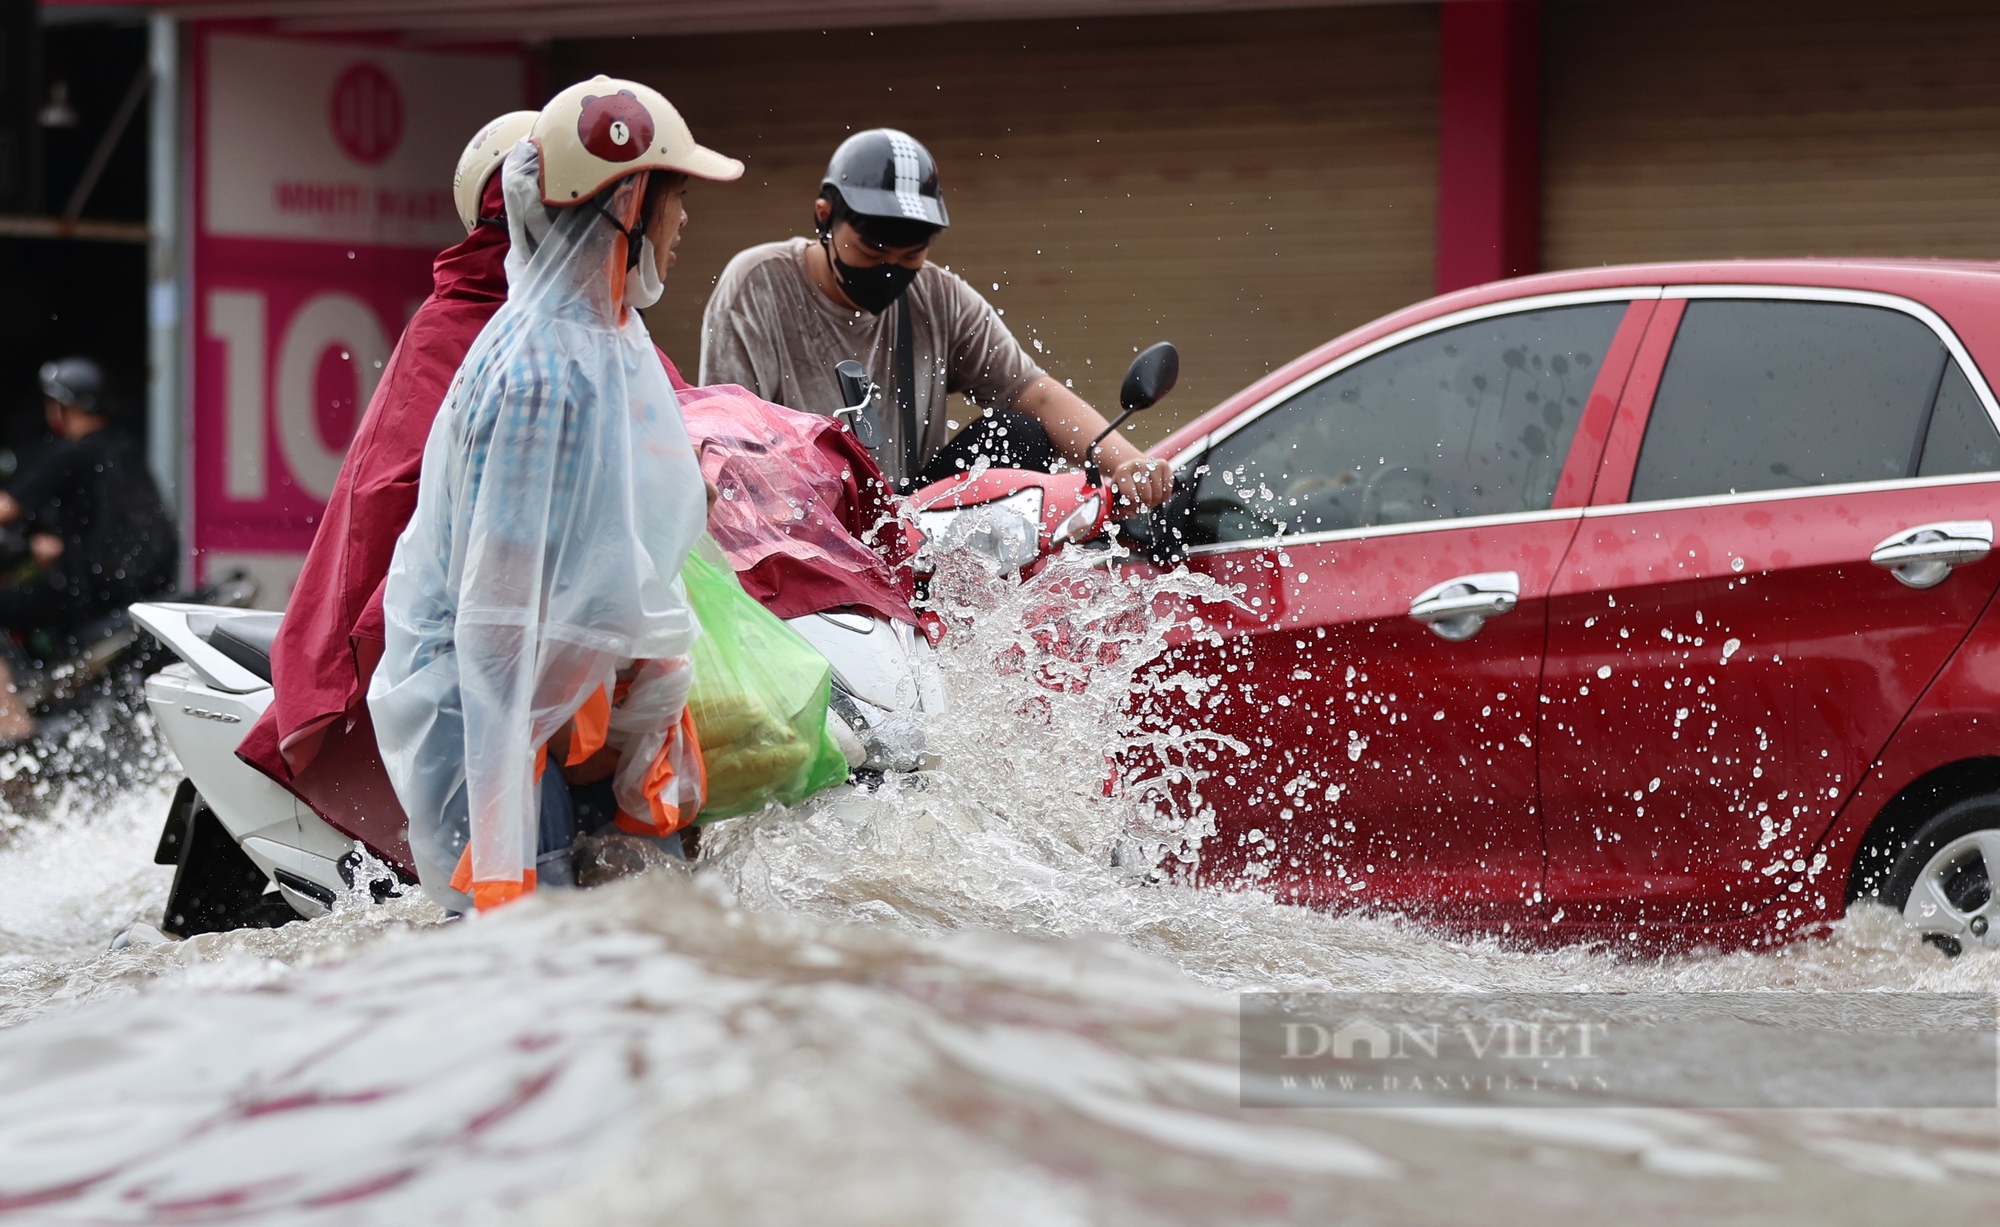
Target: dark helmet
885 174
74 381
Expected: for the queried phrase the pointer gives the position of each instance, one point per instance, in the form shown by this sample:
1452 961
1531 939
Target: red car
1645 605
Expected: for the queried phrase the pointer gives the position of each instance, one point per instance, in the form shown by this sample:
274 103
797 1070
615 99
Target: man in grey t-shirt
783 314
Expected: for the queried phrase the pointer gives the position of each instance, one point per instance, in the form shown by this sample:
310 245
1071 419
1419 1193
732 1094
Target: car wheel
1943 881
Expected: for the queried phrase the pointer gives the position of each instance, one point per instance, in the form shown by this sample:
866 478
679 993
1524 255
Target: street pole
166 421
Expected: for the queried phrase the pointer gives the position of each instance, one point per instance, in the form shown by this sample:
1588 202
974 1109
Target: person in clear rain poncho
537 587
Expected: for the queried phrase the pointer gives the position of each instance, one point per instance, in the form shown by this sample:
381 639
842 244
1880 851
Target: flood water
938 1003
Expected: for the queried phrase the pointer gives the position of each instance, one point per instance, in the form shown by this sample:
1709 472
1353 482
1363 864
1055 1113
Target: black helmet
885 174
74 381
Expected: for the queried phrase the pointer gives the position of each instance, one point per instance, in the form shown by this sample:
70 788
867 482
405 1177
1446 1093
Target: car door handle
1921 557
1457 608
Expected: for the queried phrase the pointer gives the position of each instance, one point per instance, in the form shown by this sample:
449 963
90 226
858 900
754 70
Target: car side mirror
855 386
1150 377
857 394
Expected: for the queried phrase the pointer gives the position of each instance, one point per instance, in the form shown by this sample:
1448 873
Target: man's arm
1072 424
987 362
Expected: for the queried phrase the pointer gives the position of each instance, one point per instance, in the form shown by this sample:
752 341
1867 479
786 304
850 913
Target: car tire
217 887
1943 879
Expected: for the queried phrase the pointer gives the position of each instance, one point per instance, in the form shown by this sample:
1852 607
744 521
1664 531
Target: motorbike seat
246 639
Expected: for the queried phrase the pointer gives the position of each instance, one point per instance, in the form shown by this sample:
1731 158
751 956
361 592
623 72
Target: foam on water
939 1001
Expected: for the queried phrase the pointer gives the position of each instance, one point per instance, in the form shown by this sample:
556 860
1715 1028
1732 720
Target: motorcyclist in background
783 314
98 535
538 581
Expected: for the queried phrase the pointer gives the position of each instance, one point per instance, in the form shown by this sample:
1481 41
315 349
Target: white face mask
643 286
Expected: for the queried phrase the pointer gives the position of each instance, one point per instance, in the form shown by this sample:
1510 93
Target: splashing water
1012 830
936 1000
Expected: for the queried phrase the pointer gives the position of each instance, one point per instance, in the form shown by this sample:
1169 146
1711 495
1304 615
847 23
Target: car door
1384 758
1729 647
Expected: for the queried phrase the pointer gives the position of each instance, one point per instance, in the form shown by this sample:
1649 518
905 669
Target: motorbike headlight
1007 531
1079 524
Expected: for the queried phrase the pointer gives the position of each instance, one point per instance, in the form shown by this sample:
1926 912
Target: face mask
872 289
643 286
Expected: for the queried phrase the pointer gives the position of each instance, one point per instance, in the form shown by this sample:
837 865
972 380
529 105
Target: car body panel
1955 725
1382 761
1722 670
1758 777
1718 679
1627 359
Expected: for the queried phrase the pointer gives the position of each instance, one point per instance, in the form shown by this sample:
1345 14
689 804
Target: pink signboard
322 193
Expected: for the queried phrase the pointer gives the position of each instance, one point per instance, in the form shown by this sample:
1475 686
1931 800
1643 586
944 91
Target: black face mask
872 289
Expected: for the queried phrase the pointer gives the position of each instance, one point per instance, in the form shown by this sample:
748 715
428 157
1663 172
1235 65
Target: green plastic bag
759 697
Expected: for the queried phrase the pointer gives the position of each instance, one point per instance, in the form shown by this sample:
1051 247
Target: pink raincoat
801 505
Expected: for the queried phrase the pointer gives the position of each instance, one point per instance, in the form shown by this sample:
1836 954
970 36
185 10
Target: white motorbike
248 853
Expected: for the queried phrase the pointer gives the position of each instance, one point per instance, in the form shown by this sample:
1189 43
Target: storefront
317 205
1706 129
1246 184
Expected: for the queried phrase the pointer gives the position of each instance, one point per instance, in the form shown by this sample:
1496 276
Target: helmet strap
832 261
633 234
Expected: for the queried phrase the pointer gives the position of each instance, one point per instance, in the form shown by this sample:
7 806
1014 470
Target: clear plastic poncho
558 498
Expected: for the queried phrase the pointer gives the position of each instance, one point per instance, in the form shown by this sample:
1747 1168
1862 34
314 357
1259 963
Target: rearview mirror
855 387
857 396
1150 377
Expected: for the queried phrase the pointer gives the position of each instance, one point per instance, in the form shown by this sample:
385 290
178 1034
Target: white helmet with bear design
598 131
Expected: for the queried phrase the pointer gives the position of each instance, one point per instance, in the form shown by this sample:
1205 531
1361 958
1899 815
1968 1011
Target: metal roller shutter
1247 186
1719 128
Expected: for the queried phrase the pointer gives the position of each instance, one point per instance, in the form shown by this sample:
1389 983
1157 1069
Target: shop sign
322 184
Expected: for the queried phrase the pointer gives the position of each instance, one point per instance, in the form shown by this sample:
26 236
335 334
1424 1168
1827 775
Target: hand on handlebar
1140 482
701 457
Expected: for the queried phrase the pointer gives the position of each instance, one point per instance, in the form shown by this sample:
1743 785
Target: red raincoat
330 640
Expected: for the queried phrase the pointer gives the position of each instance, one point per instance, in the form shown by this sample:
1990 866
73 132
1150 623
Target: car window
1961 438
1466 421
1764 395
